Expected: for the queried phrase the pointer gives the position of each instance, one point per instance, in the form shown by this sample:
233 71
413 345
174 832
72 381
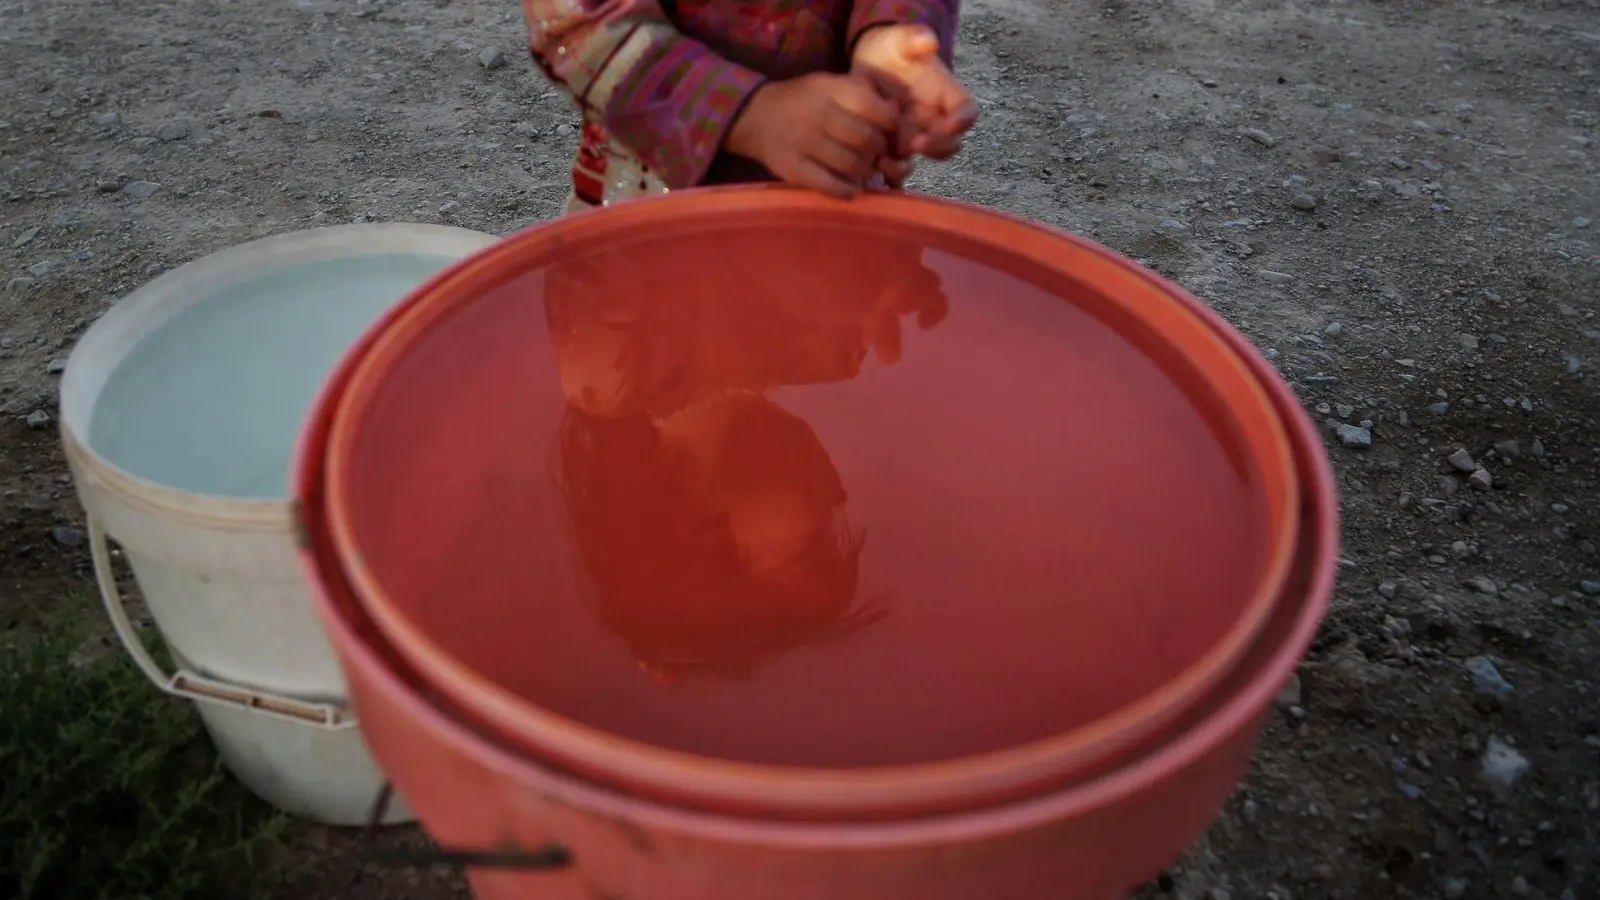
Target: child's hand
825 132
941 108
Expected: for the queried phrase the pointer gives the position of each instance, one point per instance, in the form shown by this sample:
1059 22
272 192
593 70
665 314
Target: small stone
1591 588
1503 766
448 207
41 268
1582 222
25 238
1261 137
1388 590
141 190
1291 692
1304 202
564 130
1399 163
1454 887
1461 550
1481 480
1344 410
56 366
106 118
1448 486
1560 509
1439 408
1520 887
1395 628
1333 330
1536 450
1467 341
1406 500
19 285
1482 585
491 58
173 131
1271 277
1486 677
1353 435
67 536
1509 450
38 420
1462 461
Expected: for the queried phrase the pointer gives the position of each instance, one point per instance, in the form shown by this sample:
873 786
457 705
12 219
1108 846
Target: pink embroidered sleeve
667 98
940 15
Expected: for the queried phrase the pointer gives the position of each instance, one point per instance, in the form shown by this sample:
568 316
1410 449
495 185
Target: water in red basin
806 491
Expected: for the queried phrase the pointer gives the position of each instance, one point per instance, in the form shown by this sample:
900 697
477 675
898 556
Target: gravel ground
1394 199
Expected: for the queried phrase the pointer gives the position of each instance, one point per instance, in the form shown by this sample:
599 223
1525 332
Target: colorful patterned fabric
660 82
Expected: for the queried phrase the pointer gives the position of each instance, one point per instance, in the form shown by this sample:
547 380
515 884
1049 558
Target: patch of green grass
109 790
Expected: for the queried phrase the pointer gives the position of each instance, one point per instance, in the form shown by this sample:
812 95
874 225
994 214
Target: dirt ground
1394 199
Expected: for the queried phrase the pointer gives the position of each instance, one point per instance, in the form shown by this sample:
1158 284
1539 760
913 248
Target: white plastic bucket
179 411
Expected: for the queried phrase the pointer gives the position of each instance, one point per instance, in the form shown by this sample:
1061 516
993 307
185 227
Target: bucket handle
189 685
550 858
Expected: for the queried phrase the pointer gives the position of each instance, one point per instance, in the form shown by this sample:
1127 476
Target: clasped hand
835 133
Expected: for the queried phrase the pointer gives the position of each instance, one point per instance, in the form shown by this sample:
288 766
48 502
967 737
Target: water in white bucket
212 402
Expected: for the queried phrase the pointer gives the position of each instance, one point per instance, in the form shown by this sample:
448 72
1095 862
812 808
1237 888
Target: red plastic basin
885 570
1086 841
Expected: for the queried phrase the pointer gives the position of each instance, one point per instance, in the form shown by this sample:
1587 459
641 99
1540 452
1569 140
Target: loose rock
1503 766
38 420
141 190
492 58
1291 693
1353 435
1462 461
173 131
1482 585
1481 479
1486 677
1261 137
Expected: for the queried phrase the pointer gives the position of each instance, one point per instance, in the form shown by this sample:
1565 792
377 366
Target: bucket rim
106 343
924 787
1237 712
